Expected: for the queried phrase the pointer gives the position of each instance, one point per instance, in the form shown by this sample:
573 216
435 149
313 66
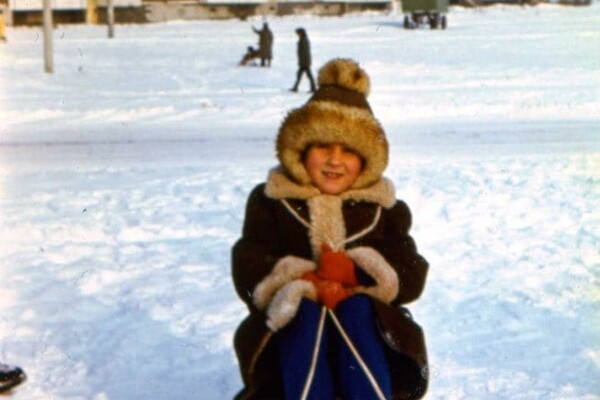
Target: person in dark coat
265 44
326 263
304 60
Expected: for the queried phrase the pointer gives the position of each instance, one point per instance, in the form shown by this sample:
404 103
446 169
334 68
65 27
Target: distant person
10 377
251 54
304 60
265 45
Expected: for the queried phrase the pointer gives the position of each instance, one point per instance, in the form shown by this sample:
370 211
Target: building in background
29 12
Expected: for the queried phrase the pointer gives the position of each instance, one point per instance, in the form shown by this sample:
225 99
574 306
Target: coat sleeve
400 250
256 252
265 278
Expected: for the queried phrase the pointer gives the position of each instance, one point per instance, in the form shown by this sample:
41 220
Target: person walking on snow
265 44
304 60
325 262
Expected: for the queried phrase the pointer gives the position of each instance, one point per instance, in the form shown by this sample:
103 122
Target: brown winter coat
271 232
265 42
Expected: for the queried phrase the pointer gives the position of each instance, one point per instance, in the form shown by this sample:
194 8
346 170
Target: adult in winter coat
265 44
304 60
325 262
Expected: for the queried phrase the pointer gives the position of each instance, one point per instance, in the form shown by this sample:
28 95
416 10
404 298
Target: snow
124 177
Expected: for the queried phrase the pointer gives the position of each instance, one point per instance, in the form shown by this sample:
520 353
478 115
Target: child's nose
335 154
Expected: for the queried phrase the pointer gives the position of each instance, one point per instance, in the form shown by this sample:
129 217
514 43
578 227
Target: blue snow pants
337 370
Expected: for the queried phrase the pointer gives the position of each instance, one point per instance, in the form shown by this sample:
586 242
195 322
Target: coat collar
279 186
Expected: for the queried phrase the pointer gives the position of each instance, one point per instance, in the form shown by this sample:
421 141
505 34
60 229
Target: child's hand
336 266
311 277
330 293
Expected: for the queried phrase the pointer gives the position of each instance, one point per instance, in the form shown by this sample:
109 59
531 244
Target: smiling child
325 262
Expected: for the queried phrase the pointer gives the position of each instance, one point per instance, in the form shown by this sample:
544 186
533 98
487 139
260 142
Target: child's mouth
332 175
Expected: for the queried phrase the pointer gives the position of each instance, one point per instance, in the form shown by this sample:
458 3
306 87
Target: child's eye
348 150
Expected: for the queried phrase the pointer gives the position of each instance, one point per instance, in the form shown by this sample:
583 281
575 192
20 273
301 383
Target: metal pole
110 17
48 63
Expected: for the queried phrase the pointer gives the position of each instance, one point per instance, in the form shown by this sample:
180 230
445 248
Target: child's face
332 168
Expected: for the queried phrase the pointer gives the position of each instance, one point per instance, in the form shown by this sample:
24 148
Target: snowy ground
125 173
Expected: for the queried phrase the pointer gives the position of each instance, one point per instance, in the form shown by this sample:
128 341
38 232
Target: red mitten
336 266
331 293
311 277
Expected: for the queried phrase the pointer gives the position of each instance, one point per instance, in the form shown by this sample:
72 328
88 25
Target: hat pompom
345 73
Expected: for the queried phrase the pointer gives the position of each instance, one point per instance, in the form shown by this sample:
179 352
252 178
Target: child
251 54
325 260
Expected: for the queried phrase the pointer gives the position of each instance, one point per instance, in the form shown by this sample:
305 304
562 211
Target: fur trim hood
338 112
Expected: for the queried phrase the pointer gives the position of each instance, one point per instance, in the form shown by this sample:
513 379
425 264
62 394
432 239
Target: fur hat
338 112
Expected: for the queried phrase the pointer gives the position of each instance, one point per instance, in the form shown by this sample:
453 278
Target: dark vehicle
421 12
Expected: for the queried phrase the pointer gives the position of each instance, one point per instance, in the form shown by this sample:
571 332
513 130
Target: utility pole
48 63
110 18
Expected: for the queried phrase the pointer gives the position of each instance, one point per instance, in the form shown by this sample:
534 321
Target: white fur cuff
285 270
386 279
284 306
